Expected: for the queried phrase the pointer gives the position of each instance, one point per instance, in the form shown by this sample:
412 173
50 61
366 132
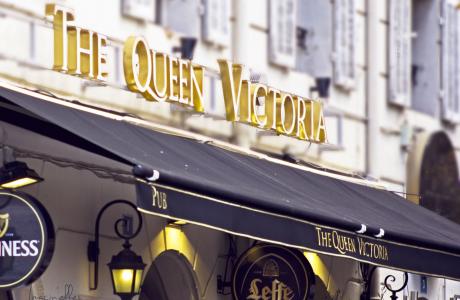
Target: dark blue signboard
26 239
272 272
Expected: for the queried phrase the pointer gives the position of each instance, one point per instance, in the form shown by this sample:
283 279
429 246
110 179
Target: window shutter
450 62
183 16
139 9
314 38
216 22
344 43
282 36
399 55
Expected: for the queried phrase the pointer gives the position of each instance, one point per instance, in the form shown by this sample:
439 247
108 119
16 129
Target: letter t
62 18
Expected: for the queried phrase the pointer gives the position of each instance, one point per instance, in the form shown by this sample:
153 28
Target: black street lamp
126 268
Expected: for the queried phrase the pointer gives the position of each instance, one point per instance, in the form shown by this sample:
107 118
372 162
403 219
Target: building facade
386 72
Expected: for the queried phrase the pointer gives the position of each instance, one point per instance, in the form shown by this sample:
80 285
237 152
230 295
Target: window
344 43
399 52
182 16
450 62
282 32
216 22
425 56
139 9
314 38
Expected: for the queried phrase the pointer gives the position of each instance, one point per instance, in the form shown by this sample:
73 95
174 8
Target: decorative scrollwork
93 246
392 279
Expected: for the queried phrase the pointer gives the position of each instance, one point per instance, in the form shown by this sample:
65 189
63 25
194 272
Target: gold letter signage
265 107
77 51
350 245
161 77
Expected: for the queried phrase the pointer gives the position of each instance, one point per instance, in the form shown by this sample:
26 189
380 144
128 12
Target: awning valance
260 197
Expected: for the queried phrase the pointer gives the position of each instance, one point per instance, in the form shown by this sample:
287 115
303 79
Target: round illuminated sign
26 239
272 272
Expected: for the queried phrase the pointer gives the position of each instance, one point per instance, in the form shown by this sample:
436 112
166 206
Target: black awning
263 199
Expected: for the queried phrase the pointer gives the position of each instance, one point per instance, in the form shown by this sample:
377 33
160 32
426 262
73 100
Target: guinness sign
271 272
26 239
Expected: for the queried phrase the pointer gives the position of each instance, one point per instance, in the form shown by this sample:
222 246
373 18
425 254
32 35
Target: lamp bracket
8 154
391 278
93 246
368 273
222 282
221 285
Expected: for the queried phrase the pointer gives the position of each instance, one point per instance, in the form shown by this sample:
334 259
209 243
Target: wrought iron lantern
126 268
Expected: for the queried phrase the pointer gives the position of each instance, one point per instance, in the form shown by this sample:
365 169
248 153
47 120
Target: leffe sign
266 272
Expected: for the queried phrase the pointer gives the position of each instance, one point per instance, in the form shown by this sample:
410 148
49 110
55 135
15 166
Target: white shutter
450 62
183 16
282 32
139 9
216 22
314 54
344 43
399 55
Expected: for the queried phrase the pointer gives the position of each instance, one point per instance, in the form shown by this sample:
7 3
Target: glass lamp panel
138 281
19 183
123 280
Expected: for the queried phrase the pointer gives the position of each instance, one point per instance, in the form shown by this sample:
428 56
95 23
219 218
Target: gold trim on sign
42 229
6 223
